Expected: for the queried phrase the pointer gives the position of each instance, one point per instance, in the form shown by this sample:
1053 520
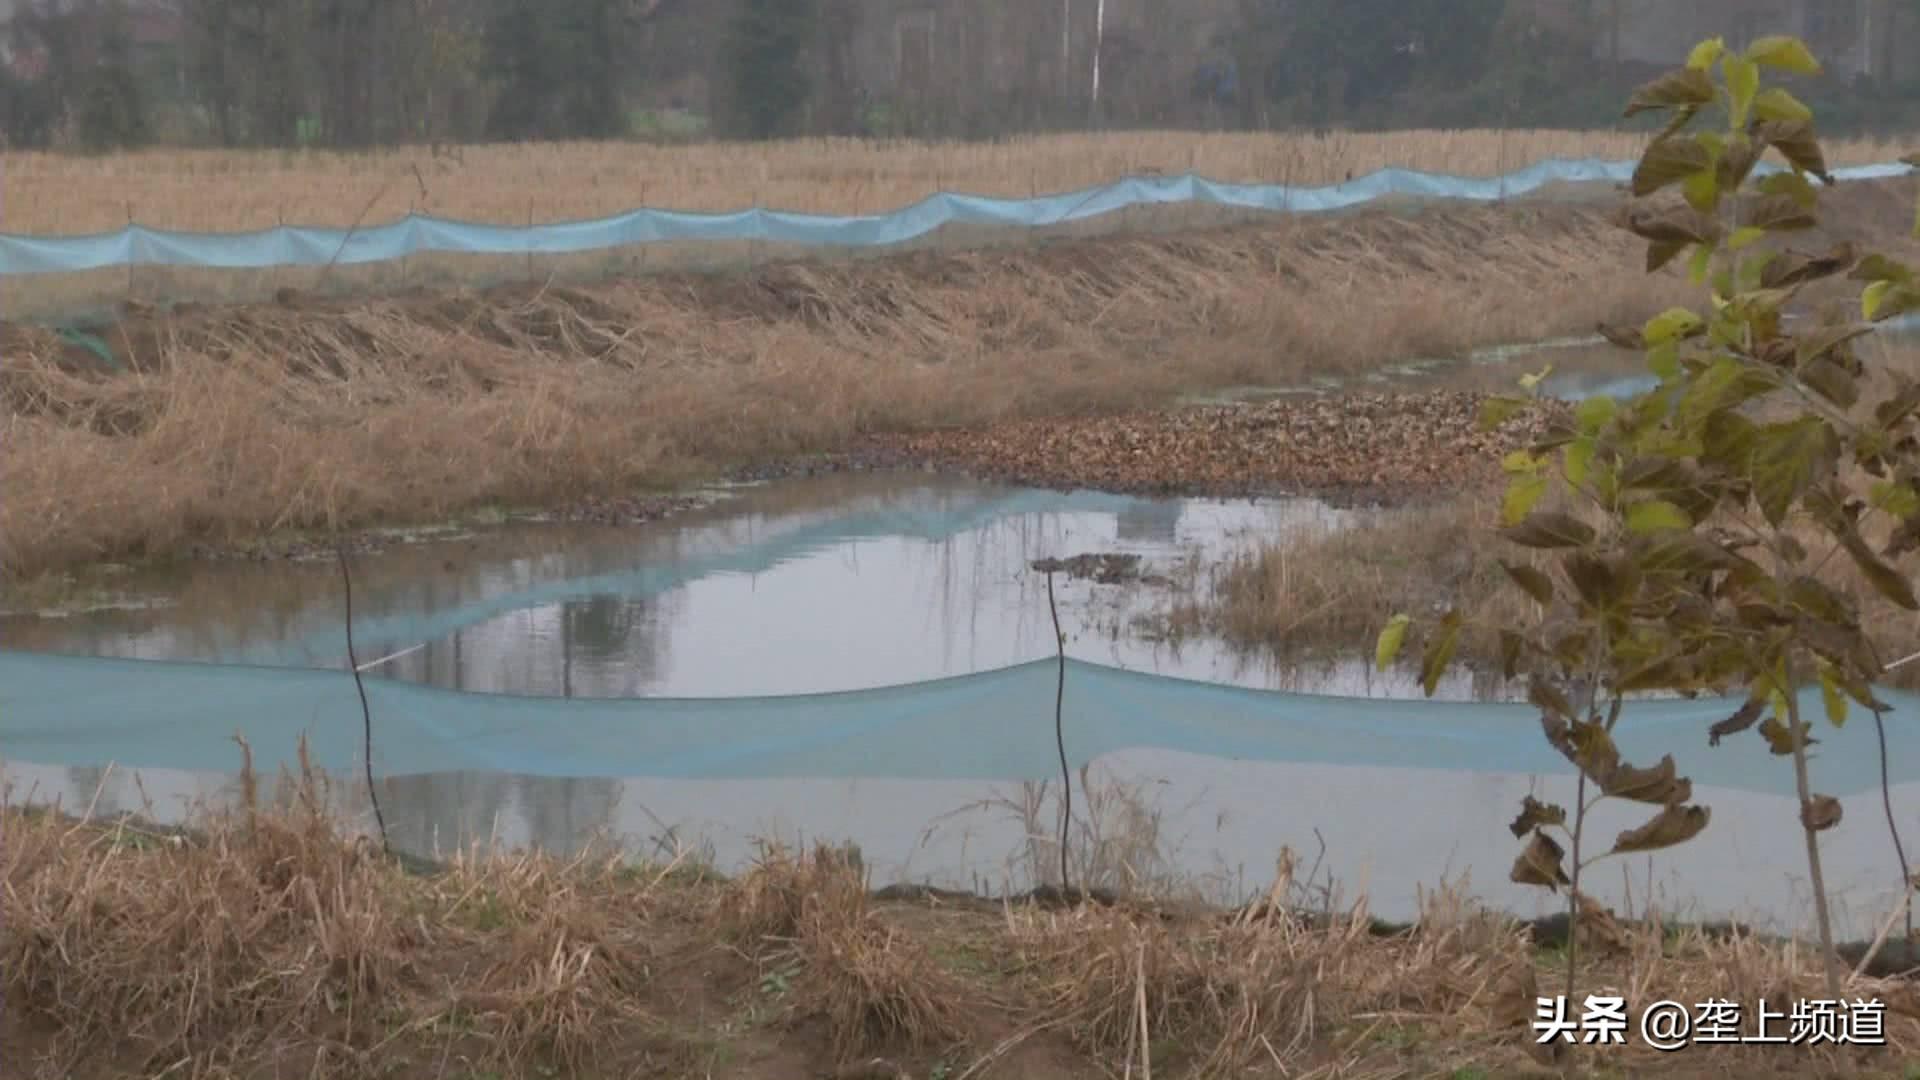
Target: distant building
1851 37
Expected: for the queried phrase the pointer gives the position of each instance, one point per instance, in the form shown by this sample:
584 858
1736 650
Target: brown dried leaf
1778 213
1779 740
1740 721
1623 337
1539 864
1794 268
1672 825
1659 786
1534 814
1821 813
1677 89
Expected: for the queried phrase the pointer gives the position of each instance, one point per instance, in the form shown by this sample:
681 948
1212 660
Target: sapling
1686 539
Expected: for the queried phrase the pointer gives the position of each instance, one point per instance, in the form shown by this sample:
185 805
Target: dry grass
226 191
266 942
237 422
223 191
876 987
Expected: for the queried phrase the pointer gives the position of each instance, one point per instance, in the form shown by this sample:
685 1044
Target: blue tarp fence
421 234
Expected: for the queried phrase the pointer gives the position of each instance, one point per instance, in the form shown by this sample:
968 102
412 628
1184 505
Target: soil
1355 449
1359 448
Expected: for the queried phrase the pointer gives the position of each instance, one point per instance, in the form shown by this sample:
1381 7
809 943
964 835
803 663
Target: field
217 414
218 191
221 191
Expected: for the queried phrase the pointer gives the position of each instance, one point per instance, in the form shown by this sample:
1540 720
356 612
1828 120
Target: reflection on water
1386 832
839 612
687 608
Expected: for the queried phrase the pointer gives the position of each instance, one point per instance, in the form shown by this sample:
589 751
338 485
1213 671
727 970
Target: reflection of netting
996 725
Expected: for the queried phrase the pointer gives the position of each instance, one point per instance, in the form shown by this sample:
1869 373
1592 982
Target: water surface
848 582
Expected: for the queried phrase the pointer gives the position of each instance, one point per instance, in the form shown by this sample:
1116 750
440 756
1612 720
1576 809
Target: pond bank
522 965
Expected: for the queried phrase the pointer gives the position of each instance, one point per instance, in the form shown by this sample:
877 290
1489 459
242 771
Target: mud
1359 448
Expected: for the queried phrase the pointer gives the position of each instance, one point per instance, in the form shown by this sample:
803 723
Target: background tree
764 65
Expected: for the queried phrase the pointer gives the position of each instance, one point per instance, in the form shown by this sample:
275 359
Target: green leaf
1784 52
1520 463
1796 142
1897 499
1594 413
1830 381
1827 338
1777 104
1579 459
1705 53
1874 298
1830 693
1656 515
1533 582
1495 411
1682 89
1743 83
1391 639
1878 267
1724 385
1778 213
1669 161
1672 324
1439 653
1702 191
1786 460
1664 359
1745 236
1523 494
1885 300
1792 185
1700 264
1532 382
1549 529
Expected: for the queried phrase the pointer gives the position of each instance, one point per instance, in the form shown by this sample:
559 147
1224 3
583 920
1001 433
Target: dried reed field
219 191
232 422
220 425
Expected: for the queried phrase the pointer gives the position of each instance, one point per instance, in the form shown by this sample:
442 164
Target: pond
854 582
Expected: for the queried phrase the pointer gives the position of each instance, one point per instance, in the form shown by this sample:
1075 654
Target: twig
1140 998
366 711
1060 735
1893 828
1830 960
359 220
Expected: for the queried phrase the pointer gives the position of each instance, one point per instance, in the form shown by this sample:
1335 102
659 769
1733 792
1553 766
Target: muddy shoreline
1357 450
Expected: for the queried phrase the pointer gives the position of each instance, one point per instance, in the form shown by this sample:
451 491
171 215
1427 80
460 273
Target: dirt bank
212 426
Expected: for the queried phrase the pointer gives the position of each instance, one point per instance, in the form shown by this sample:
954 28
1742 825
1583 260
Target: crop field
219 191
